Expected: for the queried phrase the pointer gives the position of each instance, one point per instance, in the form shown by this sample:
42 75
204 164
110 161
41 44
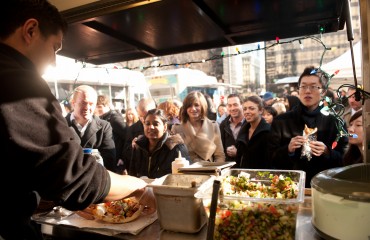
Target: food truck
176 84
124 87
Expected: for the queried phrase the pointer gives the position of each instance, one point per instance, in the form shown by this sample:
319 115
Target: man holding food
302 139
40 154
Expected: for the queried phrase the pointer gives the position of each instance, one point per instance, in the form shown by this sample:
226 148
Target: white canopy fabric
67 70
344 64
287 80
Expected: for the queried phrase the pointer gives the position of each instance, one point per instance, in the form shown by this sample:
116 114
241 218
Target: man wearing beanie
268 99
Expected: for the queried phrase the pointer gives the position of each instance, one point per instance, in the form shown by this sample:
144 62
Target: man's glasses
312 88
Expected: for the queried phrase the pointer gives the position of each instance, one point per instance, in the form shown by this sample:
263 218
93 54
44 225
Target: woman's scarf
201 142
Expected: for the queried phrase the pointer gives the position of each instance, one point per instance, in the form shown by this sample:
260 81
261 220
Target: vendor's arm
123 185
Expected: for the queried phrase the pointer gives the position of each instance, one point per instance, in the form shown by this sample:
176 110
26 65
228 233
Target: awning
343 63
110 31
287 80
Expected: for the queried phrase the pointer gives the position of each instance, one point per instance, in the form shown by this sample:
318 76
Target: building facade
288 60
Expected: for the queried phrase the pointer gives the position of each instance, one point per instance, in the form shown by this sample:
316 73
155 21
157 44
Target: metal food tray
208 168
178 209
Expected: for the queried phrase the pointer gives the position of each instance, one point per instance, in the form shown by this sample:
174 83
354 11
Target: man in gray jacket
94 132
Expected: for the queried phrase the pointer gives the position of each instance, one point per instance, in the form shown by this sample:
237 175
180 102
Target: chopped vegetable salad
247 219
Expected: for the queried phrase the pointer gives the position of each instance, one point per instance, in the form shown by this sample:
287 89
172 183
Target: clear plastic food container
263 208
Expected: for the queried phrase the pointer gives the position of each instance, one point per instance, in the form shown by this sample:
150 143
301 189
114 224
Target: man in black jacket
116 120
230 127
40 156
287 138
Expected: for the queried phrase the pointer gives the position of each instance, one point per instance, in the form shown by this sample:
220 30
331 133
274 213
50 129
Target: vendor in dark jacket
253 136
94 132
287 138
40 155
154 152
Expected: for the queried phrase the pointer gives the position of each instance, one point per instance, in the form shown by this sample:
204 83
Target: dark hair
211 111
15 13
67 105
221 105
255 99
158 113
235 95
293 102
189 100
353 154
270 110
312 71
329 93
355 116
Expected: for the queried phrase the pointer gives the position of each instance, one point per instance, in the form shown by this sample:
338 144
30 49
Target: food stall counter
304 230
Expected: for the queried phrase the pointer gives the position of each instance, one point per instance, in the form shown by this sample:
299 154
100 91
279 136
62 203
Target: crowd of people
45 146
260 132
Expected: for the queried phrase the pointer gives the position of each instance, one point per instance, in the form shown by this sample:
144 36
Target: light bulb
301 45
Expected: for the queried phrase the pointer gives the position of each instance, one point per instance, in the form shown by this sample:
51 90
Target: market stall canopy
343 63
109 31
287 80
92 74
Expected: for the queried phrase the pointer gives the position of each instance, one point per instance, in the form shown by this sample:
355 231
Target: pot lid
351 182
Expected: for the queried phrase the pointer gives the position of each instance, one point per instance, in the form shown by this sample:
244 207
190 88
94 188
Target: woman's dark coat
158 163
254 152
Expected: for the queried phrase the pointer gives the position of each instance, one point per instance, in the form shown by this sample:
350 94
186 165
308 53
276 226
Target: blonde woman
201 135
131 116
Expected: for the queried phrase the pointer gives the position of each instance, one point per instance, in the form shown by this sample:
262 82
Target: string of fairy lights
236 53
335 108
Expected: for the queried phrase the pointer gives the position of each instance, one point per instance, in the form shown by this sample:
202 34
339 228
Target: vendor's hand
295 143
231 151
318 148
146 198
123 186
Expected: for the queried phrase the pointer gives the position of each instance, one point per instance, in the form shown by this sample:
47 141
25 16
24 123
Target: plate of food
120 211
